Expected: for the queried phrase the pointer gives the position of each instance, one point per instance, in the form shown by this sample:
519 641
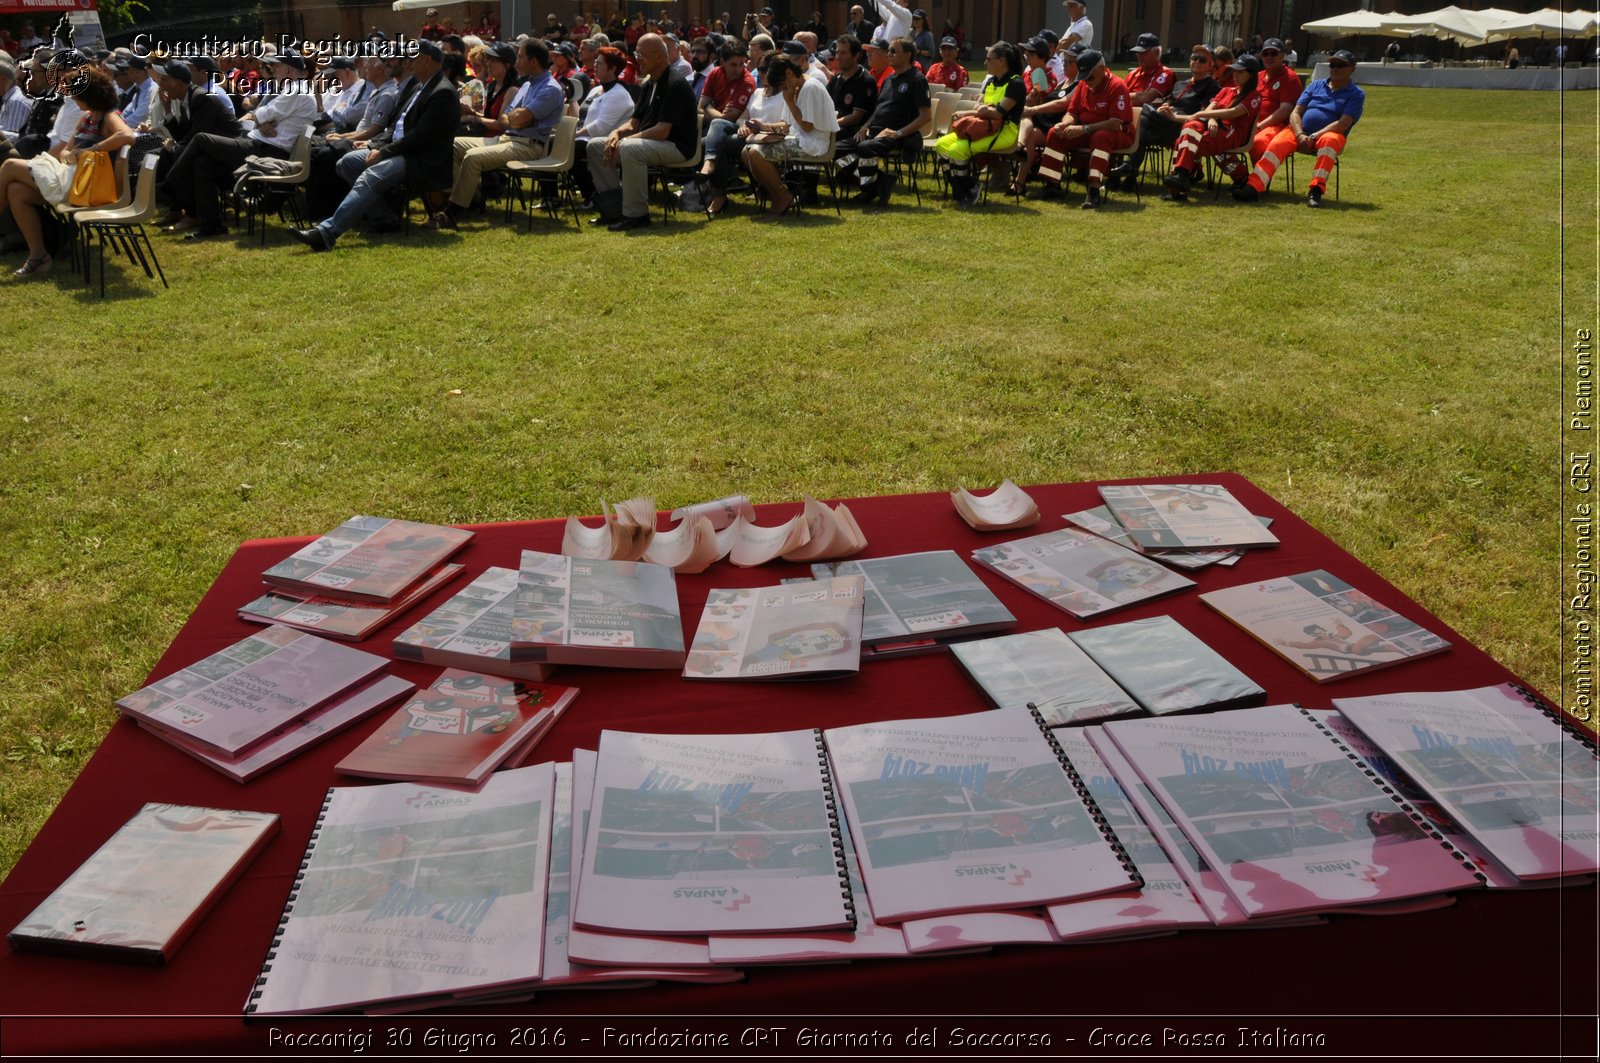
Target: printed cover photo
804 630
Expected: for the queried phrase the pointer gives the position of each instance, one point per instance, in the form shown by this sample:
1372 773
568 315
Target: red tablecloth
1503 967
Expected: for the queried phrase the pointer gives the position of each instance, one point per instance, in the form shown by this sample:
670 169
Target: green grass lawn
1388 367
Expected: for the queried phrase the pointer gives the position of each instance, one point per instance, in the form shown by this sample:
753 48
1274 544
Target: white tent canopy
413 5
1454 23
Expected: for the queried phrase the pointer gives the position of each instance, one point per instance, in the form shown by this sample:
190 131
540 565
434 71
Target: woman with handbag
80 169
989 130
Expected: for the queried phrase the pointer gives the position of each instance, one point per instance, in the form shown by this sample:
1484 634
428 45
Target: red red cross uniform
1276 90
951 75
1160 79
1195 142
1087 105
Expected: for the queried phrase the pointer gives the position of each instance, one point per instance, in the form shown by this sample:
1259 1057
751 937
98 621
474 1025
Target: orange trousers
1326 148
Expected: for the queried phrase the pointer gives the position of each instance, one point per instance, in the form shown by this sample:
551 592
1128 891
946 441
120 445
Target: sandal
35 267
716 205
777 211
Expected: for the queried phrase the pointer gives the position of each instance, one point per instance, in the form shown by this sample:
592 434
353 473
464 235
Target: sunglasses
1272 52
1340 65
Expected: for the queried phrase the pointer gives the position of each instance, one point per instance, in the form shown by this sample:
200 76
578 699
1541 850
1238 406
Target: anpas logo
1010 874
728 898
1348 868
434 799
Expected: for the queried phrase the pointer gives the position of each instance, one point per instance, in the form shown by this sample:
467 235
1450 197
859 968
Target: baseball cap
1206 48
1246 62
1050 35
1343 55
430 49
178 70
1087 61
1038 46
341 62
795 48
948 42
1272 44
1147 41
506 53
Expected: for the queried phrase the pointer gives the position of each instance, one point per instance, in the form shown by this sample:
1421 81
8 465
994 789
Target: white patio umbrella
1447 23
1550 22
1350 25
412 5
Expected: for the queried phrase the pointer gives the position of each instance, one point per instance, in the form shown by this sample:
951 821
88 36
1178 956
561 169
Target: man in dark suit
416 150
188 112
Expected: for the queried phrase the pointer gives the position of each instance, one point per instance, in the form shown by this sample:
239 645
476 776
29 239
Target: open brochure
1007 506
816 533
805 630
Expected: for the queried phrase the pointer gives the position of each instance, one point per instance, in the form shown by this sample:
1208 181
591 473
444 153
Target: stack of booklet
473 631
253 704
618 614
357 577
460 729
917 603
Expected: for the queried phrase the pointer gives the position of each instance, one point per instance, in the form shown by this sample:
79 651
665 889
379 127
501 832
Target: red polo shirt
1109 101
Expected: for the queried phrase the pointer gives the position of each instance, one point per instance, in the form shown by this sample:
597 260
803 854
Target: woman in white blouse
606 107
808 123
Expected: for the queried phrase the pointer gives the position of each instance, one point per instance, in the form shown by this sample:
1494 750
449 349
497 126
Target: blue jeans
370 184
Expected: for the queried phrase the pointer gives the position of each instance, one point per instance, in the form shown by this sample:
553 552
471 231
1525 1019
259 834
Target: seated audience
1318 125
1004 96
896 125
948 72
415 151
203 171
1156 125
1099 118
664 131
99 128
806 129
1219 129
529 123
1039 119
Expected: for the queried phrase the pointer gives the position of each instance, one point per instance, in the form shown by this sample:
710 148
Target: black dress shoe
1125 170
885 187
207 230
315 239
627 223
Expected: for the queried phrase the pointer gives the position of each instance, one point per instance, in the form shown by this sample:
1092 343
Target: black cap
430 49
289 58
568 49
1087 61
715 39
178 70
1272 44
341 62
1078 48
948 42
1147 41
506 53
204 62
920 13
795 48
1246 62
1038 46
767 11
1345 55
1051 35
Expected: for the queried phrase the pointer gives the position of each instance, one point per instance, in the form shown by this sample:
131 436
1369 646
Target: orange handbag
94 181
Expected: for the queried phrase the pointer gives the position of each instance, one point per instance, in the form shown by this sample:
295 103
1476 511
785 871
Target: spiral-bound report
1503 765
970 813
411 891
1289 822
713 834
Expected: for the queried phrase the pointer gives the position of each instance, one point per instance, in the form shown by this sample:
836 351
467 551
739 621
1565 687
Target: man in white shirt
896 21
1079 29
346 101
205 168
